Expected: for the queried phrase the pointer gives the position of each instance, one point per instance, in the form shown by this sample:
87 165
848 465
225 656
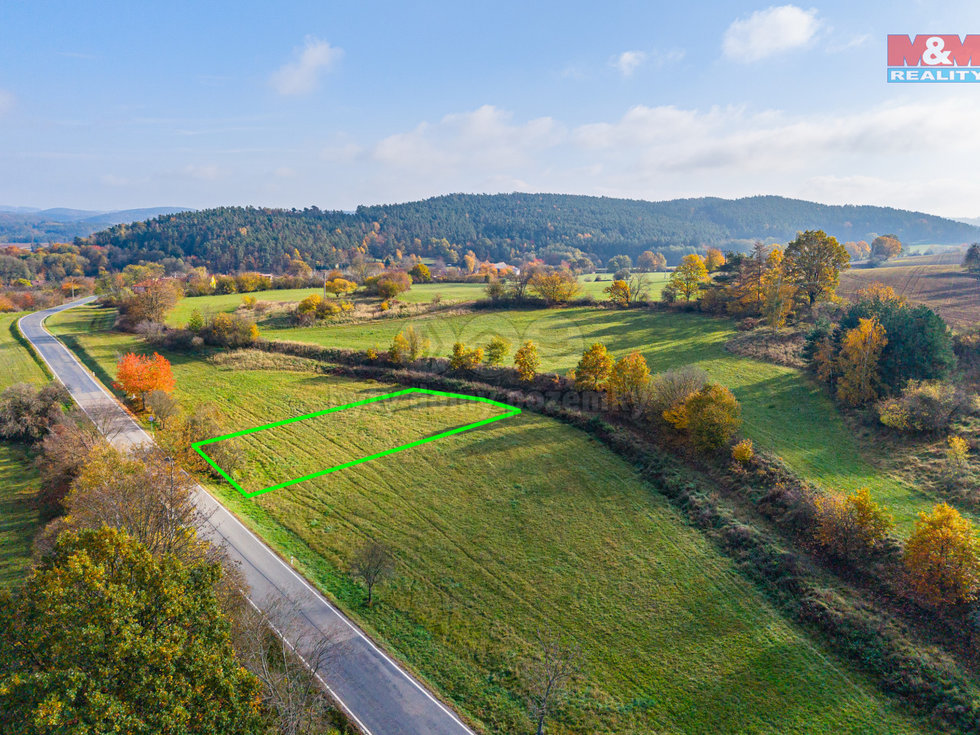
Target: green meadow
520 526
784 410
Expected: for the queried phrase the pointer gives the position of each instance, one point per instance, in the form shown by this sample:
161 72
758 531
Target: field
595 289
489 552
19 520
784 410
419 293
934 280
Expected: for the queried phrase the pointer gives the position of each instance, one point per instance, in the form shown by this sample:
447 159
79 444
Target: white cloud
483 139
628 61
6 101
769 32
878 155
207 172
301 75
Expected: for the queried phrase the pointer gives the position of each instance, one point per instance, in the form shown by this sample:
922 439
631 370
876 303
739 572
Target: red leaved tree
141 374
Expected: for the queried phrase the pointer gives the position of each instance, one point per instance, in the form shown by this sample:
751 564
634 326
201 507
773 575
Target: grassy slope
19 520
784 411
674 638
422 292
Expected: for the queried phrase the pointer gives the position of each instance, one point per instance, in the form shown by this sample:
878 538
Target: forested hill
507 227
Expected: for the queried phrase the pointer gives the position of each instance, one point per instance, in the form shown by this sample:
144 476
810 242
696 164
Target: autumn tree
139 374
420 273
687 278
556 286
814 261
855 523
150 301
339 286
230 330
619 293
713 259
465 358
650 261
594 368
628 383
710 417
103 633
306 309
496 350
942 557
857 250
470 261
408 346
526 361
777 290
860 353
372 563
885 247
142 493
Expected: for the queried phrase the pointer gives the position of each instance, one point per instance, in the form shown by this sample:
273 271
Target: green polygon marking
511 411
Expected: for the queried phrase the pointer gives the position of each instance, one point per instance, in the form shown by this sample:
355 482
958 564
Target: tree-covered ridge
505 227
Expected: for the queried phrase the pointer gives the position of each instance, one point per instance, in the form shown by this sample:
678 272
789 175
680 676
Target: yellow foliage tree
852 523
778 291
858 362
942 557
526 361
713 259
619 293
628 381
555 287
594 368
689 275
464 358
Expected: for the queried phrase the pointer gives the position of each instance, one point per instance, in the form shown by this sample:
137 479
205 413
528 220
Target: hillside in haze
26 224
508 227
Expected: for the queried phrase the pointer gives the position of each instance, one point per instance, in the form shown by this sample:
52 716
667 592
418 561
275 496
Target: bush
496 350
248 302
26 412
923 407
743 452
846 525
526 361
407 346
671 388
464 358
713 417
942 557
230 330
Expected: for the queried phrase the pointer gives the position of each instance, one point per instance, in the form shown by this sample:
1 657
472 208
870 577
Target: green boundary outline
511 411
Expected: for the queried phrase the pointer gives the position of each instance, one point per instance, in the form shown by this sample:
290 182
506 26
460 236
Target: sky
115 105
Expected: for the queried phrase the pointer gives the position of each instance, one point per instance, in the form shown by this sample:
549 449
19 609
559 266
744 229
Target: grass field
784 411
419 293
523 525
19 521
937 281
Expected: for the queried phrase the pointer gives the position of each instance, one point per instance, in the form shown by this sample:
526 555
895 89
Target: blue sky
113 105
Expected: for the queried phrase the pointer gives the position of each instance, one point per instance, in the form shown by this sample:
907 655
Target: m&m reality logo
939 58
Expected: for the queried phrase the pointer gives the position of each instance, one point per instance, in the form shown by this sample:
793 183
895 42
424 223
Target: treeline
508 227
129 621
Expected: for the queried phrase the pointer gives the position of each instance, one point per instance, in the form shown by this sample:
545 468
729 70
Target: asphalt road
375 691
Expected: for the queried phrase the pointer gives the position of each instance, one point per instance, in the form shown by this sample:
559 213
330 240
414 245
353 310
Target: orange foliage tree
140 375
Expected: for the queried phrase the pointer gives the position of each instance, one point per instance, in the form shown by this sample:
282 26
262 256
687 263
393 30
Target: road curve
376 692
